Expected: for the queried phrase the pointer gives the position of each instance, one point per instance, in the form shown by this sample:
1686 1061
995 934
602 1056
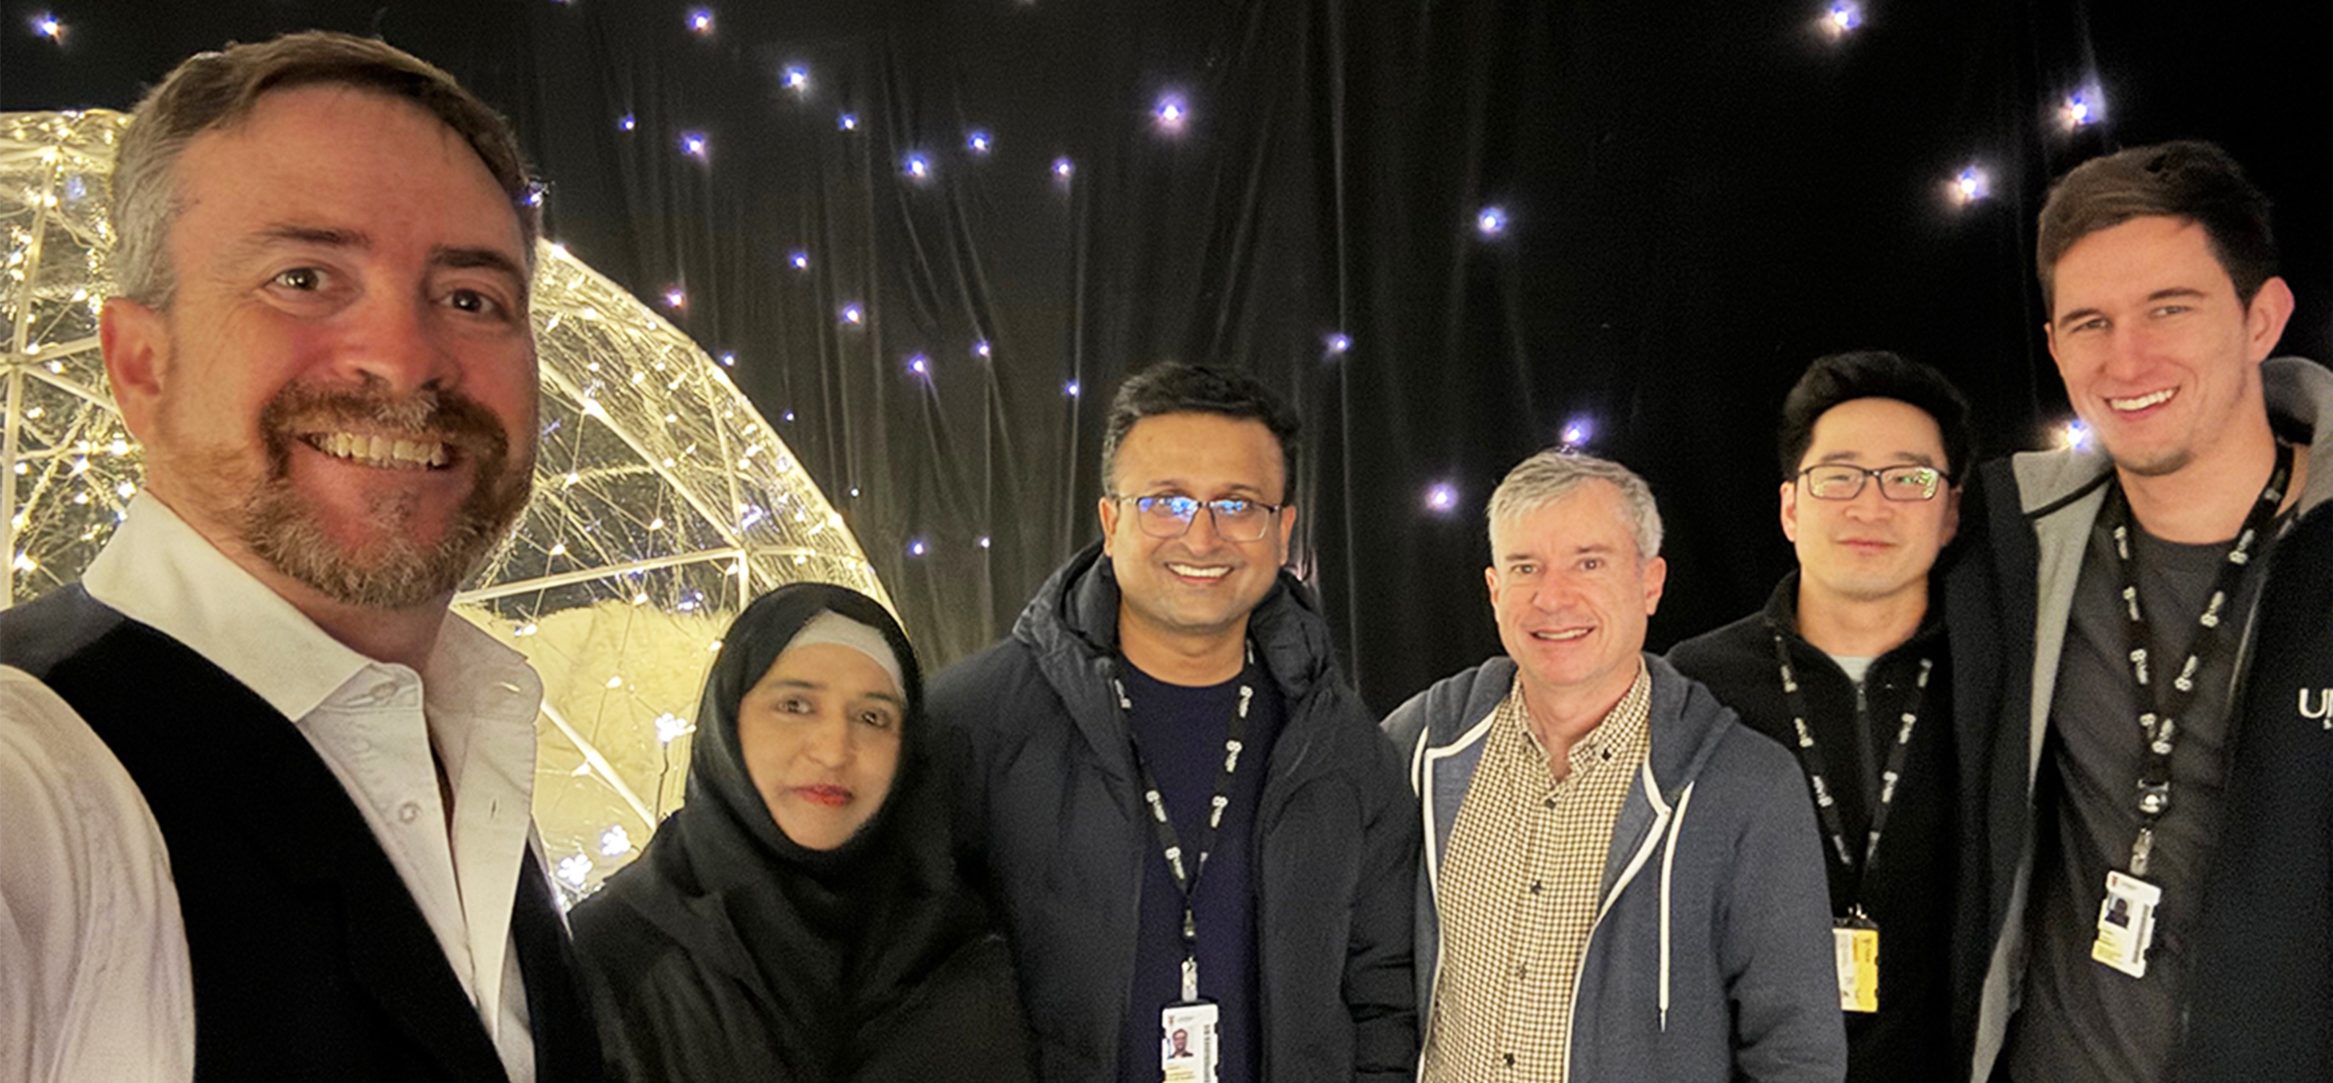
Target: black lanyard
1170 843
2163 704
1810 757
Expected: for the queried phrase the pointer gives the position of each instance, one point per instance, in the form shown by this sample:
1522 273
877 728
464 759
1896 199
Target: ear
2049 335
1490 579
1951 514
136 342
2265 318
1287 530
1656 579
1107 508
1790 510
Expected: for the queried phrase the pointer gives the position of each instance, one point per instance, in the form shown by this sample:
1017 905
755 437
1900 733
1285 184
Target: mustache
442 414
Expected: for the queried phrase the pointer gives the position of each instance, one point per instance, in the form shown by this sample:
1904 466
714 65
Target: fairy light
848 122
695 145
1337 344
1971 185
854 315
1842 17
1491 221
978 142
47 25
615 841
1171 113
701 21
1441 498
797 79
798 259
627 123
916 165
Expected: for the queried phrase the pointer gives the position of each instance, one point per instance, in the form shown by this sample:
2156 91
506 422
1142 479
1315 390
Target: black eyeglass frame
1215 514
1864 474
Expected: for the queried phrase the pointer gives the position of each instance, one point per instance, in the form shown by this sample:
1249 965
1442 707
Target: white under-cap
842 631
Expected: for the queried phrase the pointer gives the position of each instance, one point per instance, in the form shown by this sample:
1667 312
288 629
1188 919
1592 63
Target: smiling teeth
381 451
2143 401
1200 573
1572 634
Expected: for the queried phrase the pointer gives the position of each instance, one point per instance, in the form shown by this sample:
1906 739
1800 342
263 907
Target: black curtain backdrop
1699 197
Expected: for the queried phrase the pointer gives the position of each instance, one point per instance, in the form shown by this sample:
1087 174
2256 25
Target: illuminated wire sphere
663 501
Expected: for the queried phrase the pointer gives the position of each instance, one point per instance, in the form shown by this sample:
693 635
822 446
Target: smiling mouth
2141 402
1194 571
382 452
830 796
1564 636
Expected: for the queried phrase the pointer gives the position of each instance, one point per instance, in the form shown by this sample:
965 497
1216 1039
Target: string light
695 145
47 25
627 123
2082 108
848 122
797 79
1171 113
676 298
984 541
919 364
917 166
1441 497
1971 185
917 548
800 259
1491 221
2074 435
728 360
1577 432
701 21
1070 389
1063 168
854 315
977 142
789 415
1338 343
1843 16
981 349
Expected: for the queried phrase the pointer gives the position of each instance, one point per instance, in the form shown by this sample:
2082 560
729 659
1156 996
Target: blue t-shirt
1180 731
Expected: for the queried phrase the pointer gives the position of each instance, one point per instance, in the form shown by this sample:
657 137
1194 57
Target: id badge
1186 1042
1855 948
2126 924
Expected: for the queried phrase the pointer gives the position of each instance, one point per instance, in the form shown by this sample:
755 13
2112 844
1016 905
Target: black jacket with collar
1050 809
1910 891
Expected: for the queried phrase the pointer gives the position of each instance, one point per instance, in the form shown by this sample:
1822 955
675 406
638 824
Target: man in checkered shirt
1621 882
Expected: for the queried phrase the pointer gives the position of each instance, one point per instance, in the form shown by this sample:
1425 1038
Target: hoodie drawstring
1668 866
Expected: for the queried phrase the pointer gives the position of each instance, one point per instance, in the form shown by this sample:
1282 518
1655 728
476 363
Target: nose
828 744
1201 535
2126 353
394 339
1868 503
1552 593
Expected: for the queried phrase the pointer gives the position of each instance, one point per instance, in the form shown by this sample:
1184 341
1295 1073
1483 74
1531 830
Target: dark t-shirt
2082 1020
1179 731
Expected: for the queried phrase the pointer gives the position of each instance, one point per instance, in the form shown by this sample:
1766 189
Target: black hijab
837 938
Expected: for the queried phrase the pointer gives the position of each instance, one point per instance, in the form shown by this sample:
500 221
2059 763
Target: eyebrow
817 686
447 256
1848 457
2163 294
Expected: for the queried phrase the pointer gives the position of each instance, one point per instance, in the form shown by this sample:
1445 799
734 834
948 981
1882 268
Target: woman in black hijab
800 918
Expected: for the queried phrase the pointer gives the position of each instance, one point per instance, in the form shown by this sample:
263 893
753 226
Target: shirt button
408 811
1510 1059
1551 802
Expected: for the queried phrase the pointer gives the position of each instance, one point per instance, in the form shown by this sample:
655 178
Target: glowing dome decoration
662 499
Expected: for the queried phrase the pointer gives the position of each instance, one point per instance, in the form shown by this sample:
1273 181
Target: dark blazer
310 959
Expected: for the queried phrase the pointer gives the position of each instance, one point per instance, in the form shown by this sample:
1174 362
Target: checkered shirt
1518 893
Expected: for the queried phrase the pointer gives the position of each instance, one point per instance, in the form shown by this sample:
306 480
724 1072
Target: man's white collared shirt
373 724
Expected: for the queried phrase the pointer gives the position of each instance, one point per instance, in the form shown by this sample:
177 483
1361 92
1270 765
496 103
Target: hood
2300 407
1687 719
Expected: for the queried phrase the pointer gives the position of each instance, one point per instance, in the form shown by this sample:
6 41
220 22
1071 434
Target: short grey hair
1555 473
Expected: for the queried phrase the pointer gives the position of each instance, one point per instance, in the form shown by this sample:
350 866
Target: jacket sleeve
1380 987
1776 946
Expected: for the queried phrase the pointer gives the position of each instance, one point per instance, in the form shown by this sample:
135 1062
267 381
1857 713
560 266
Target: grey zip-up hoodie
1710 958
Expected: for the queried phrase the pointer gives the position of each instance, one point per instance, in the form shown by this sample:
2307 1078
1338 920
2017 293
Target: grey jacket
2040 538
1710 957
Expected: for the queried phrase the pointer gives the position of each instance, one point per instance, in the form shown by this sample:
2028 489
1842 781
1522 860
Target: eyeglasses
1907 483
1236 520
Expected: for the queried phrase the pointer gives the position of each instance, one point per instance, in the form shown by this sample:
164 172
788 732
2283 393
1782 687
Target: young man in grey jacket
1621 882
2152 613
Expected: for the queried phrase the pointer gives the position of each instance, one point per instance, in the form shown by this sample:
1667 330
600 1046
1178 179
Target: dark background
1703 195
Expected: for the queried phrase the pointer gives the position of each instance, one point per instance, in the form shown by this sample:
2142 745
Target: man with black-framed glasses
1846 666
1181 809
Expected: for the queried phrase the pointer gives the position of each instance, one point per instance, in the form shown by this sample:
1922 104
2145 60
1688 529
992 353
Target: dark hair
1174 388
1873 374
210 91
2190 180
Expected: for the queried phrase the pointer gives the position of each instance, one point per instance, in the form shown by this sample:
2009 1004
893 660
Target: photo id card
1186 1049
2126 924
1855 943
